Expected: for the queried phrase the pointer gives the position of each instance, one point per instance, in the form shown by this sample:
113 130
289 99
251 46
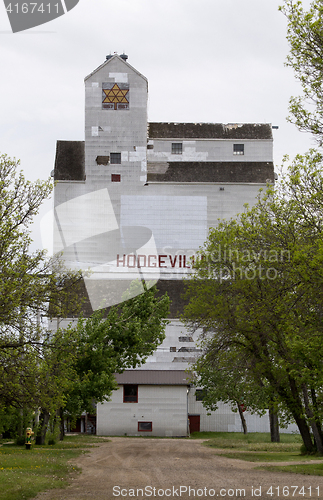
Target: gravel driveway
176 468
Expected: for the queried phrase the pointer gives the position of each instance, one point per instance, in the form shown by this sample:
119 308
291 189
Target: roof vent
124 56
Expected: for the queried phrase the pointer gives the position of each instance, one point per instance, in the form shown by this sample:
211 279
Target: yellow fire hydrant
29 434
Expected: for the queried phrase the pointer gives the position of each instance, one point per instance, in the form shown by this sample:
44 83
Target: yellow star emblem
115 95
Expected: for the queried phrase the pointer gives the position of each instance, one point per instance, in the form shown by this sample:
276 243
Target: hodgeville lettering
160 260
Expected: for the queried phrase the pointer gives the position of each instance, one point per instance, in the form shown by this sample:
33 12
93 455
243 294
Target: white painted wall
210 150
225 420
164 406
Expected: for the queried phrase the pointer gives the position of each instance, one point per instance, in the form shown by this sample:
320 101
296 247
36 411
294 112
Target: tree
79 363
224 376
31 285
71 368
305 36
258 286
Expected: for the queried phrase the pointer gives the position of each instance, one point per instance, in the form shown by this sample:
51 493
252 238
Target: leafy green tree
224 375
79 364
258 286
31 285
305 36
72 368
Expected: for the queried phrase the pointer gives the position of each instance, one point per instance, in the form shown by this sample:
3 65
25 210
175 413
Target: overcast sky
205 61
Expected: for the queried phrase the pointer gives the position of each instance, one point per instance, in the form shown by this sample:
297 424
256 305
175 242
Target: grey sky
205 60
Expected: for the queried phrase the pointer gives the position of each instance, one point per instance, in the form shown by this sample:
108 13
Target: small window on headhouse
238 149
130 393
115 158
177 148
115 178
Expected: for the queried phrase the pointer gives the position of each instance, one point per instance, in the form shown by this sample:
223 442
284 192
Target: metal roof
69 161
210 131
153 377
212 171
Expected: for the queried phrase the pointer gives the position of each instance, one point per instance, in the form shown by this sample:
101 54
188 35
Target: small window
200 394
130 393
115 158
185 339
238 149
115 178
145 426
172 349
177 148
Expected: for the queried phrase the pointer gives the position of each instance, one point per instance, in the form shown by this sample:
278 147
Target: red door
194 421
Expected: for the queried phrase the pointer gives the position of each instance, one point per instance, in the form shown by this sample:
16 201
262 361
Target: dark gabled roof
153 377
209 131
174 288
69 161
242 172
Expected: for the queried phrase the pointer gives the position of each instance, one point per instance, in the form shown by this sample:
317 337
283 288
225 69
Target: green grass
257 447
25 473
307 469
256 441
78 441
270 457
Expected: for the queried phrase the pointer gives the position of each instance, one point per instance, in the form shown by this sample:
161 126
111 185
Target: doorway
194 421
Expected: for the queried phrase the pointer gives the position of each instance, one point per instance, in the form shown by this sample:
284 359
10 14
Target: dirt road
176 468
